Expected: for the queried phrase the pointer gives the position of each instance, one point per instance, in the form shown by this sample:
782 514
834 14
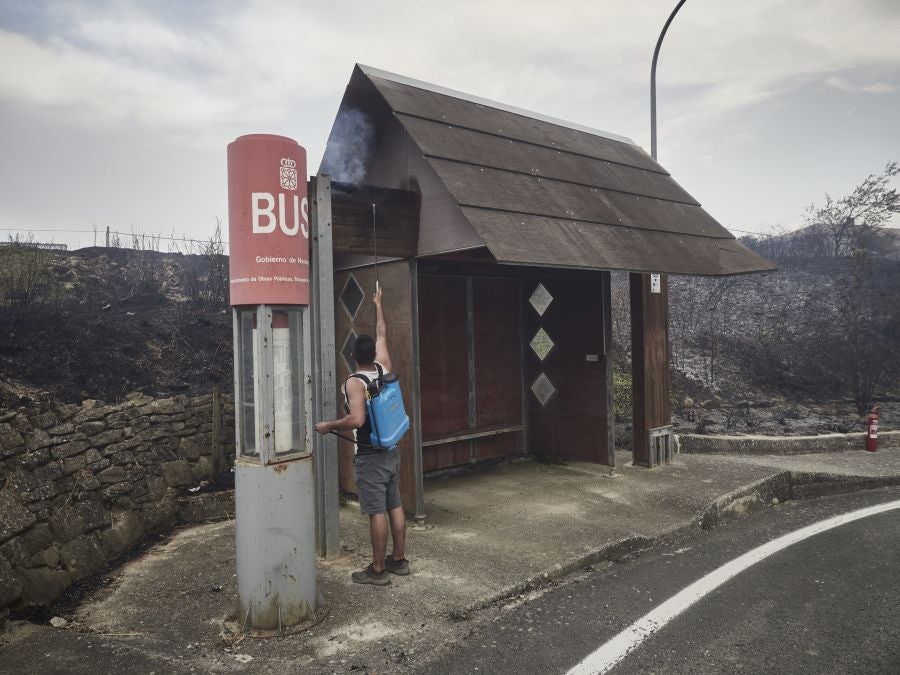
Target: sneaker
370 576
400 567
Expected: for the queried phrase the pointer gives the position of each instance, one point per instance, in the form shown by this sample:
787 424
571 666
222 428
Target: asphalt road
828 604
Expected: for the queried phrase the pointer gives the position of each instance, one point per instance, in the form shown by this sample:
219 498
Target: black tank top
364 433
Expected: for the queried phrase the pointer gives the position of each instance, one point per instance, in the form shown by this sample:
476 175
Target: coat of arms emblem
288 174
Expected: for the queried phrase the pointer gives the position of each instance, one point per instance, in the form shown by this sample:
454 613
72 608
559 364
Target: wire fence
105 237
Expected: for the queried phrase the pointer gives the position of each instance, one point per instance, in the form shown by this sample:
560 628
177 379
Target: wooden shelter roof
541 191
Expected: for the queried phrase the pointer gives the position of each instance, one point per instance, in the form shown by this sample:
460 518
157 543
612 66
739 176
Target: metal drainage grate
352 296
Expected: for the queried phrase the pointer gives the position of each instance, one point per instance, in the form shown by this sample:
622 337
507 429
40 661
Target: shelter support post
651 408
418 466
324 392
606 291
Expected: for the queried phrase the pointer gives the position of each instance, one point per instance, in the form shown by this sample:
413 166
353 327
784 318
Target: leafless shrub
205 280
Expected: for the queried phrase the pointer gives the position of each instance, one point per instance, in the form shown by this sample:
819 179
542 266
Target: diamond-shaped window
541 344
352 296
543 388
347 351
540 299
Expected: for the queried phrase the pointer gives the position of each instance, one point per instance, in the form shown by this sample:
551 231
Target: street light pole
653 79
652 430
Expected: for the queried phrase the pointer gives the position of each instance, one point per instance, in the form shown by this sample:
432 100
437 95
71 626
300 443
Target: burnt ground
102 322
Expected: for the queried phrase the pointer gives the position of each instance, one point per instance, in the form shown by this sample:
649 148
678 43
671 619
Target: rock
72 521
69 449
201 469
82 556
126 531
73 464
106 437
62 429
38 439
14 517
11 441
188 448
44 420
10 586
15 551
177 473
42 585
37 538
58 622
113 474
92 428
49 557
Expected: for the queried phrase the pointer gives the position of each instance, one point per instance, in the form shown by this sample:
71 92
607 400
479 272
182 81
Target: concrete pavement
498 534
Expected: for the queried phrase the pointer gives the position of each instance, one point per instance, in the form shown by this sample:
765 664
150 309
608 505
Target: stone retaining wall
80 485
782 445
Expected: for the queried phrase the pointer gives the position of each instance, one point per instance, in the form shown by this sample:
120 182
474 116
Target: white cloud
258 61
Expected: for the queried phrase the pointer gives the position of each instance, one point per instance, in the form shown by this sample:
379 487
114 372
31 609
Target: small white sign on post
654 283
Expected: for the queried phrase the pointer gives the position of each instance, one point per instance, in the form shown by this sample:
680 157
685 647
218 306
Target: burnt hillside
783 352
102 322
807 348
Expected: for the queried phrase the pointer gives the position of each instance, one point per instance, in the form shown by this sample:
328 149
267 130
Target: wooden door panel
573 422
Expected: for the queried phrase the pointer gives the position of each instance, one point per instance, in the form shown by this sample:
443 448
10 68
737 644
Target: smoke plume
349 147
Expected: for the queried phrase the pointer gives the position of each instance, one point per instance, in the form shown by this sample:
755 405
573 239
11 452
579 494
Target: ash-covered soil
102 322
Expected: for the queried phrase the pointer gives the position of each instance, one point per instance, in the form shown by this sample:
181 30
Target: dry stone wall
80 485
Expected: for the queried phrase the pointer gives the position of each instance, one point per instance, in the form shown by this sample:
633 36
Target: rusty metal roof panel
523 239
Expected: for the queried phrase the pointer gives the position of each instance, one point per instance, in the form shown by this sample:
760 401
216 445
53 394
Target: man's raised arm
381 348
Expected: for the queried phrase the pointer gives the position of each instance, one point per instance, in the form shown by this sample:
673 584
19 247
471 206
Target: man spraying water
377 468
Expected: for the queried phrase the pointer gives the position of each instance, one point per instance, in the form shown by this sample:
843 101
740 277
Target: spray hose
362 445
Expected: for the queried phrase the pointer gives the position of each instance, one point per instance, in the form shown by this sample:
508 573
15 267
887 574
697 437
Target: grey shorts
378 481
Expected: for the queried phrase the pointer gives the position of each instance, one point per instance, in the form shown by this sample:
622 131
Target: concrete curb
731 506
781 445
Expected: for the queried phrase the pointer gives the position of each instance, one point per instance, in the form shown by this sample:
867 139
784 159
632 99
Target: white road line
607 656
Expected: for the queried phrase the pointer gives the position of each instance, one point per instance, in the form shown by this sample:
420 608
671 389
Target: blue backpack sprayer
384 400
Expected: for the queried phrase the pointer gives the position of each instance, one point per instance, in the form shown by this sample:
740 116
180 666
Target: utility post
269 287
652 440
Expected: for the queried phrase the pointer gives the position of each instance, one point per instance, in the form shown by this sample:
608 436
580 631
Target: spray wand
375 244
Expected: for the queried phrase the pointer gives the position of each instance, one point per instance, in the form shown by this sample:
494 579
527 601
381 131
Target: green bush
622 387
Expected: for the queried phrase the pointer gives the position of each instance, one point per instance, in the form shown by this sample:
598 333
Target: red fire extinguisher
872 430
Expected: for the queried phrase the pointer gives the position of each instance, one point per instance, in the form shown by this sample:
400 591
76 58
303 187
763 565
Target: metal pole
653 79
328 537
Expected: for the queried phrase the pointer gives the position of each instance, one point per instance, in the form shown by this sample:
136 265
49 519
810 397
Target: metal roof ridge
453 93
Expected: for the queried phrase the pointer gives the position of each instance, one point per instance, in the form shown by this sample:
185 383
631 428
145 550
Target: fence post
218 458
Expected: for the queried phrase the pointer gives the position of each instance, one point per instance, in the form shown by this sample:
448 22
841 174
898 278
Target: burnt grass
103 322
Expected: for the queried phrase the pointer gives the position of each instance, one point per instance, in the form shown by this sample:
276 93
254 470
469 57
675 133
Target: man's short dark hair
364 350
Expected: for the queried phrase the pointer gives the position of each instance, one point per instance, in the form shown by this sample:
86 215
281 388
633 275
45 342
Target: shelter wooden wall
471 387
395 278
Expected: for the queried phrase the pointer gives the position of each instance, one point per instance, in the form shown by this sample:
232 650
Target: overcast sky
117 113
